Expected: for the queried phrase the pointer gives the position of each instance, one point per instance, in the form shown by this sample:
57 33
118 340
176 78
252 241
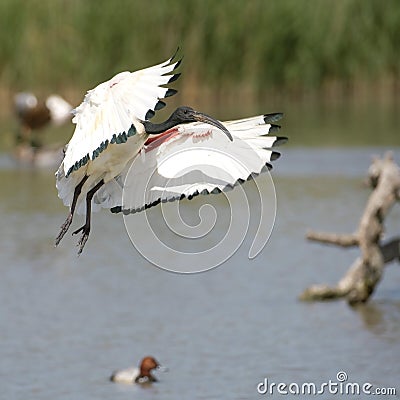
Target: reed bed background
296 45
317 60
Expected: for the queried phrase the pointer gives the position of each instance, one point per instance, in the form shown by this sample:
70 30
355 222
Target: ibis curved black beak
201 117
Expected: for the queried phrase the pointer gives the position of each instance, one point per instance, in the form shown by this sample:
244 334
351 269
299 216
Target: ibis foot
85 229
63 230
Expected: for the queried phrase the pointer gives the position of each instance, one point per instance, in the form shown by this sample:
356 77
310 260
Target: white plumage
110 115
127 375
115 108
193 159
112 149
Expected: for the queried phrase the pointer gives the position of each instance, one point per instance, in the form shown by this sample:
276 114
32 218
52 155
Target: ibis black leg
65 226
85 229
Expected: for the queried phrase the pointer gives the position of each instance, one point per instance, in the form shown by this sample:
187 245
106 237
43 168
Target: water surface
68 322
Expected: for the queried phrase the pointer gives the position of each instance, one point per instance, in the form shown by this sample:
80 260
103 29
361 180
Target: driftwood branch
364 274
344 240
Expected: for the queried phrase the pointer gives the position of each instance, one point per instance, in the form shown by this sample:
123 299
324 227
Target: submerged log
360 281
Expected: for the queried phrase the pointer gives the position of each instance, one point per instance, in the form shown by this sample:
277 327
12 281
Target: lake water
68 322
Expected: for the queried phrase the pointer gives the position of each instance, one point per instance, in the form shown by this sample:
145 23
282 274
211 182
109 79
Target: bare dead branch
343 240
361 279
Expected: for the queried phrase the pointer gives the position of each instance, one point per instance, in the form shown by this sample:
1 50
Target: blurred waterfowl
142 374
113 131
34 115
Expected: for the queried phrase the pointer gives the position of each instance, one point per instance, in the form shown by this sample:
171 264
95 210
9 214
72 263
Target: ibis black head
184 114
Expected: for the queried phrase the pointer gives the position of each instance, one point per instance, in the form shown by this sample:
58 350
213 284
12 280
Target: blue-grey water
66 322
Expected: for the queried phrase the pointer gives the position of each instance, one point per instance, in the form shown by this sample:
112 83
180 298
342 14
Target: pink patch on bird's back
164 137
153 142
202 136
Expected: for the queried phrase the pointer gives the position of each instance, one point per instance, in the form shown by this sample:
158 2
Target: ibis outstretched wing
109 112
193 159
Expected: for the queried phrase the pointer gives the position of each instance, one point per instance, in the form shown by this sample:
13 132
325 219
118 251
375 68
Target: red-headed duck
138 375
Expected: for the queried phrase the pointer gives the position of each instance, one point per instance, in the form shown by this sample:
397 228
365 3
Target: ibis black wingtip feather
275 155
272 117
274 128
149 115
160 105
170 92
280 140
174 78
175 54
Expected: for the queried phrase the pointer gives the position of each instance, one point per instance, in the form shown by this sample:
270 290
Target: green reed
256 44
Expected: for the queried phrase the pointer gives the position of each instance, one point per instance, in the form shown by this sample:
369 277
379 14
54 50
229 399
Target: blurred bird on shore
33 116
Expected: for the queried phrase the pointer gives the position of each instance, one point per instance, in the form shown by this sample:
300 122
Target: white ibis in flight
113 130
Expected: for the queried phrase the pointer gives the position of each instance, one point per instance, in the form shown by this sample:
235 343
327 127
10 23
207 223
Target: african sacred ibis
113 132
112 126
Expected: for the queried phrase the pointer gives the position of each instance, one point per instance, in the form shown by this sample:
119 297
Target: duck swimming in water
138 375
